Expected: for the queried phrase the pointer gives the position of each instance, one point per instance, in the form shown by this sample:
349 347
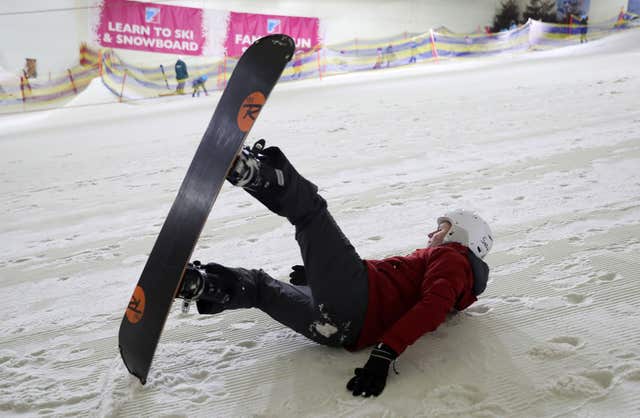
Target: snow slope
545 145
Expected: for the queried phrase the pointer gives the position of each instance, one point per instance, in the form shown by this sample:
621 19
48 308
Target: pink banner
151 27
245 28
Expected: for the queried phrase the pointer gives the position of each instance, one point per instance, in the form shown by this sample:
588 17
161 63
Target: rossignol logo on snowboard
249 110
135 310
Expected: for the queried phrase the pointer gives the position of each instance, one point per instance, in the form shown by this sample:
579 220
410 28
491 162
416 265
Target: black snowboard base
251 82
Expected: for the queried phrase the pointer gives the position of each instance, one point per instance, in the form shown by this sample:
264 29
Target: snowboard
249 86
164 76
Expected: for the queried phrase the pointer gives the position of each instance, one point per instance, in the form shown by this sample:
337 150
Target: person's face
436 237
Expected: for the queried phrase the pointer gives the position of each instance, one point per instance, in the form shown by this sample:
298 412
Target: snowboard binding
192 285
251 169
198 284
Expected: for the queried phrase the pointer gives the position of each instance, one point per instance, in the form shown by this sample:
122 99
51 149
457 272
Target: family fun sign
151 27
245 28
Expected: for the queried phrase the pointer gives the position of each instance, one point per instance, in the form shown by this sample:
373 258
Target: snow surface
544 144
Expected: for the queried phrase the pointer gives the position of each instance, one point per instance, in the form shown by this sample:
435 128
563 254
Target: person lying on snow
337 298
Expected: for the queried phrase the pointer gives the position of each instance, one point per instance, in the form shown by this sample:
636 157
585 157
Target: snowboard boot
267 175
216 288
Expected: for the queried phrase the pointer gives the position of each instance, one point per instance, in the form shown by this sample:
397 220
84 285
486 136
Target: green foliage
544 10
508 14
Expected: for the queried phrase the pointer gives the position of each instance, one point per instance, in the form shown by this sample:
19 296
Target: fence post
224 71
24 98
434 50
319 65
570 25
73 84
100 63
124 78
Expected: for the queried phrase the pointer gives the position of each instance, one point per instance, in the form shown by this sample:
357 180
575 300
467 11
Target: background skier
181 75
336 298
583 20
198 84
584 28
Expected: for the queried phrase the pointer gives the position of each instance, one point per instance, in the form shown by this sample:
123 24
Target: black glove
298 276
371 379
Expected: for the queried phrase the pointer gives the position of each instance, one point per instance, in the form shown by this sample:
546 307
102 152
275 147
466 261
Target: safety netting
131 82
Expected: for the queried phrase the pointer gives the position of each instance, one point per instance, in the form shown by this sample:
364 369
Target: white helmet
468 229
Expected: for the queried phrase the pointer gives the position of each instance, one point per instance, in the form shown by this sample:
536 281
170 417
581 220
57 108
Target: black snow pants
331 309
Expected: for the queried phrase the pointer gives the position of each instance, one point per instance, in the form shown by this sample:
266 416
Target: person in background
389 55
584 26
181 75
198 84
336 298
378 63
414 52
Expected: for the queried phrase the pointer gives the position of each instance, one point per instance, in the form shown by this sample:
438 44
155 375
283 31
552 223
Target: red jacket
410 296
